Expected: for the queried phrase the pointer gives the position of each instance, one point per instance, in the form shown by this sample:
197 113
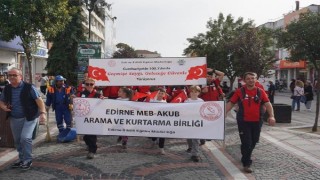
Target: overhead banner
148 71
203 120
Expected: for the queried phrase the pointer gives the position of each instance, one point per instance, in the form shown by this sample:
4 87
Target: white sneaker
162 151
308 109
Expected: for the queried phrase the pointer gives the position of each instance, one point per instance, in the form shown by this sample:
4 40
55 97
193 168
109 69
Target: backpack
257 99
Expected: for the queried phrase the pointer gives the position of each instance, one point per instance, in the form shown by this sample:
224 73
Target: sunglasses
13 75
89 84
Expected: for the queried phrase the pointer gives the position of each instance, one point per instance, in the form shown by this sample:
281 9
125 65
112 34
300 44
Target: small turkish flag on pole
180 98
138 95
153 95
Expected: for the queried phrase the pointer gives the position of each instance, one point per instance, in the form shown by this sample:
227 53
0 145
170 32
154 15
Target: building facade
286 70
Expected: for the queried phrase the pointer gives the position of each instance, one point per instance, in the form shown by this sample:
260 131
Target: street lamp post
90 4
89 7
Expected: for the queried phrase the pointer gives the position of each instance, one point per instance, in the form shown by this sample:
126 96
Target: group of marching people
60 97
23 105
251 99
153 94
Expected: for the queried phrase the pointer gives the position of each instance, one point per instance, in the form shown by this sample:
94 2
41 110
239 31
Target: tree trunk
315 126
29 59
231 83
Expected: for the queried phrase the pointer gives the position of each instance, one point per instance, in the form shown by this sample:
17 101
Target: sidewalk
282 153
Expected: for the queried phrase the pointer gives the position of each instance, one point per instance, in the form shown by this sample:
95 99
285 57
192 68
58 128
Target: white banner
148 71
203 120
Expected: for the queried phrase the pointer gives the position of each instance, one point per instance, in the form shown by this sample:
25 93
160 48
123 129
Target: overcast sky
164 25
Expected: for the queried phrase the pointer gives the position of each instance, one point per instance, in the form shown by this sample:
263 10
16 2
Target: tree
62 55
303 42
252 49
233 46
28 19
124 51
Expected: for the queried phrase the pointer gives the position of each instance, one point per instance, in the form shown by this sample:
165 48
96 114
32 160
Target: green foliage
124 51
233 46
62 55
27 19
302 39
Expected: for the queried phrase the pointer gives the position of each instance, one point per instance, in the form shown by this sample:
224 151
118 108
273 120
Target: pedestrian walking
3 82
90 92
160 98
271 92
212 91
251 101
59 96
24 105
124 94
193 144
44 81
308 92
298 91
292 85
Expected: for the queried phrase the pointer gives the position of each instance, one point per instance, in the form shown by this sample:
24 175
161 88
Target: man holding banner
251 101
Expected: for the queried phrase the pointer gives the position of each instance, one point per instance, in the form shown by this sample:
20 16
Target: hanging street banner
148 71
203 120
87 50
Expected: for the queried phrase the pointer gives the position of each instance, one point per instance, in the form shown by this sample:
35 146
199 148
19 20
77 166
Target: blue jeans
22 134
296 100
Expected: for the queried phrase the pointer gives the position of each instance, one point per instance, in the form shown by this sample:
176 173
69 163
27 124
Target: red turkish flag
97 73
153 95
138 95
180 98
197 72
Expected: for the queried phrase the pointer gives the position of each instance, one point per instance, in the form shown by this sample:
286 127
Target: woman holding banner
90 92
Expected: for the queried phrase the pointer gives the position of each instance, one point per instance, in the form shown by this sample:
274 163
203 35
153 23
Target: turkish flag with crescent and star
181 97
138 95
97 73
197 72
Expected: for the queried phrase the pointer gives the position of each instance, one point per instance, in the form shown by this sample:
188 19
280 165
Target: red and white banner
148 71
203 120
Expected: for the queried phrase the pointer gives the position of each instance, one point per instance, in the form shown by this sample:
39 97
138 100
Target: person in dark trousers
59 96
23 103
90 92
3 82
292 85
308 92
251 101
271 92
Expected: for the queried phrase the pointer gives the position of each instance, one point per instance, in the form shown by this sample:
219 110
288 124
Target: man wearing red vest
251 101
213 91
